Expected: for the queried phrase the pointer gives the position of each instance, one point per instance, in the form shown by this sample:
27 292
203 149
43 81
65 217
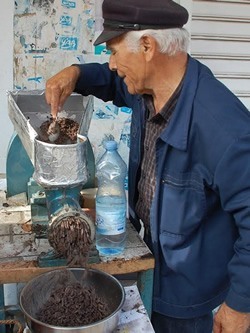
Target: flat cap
127 15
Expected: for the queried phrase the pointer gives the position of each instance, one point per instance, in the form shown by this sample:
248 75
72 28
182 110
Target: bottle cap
110 145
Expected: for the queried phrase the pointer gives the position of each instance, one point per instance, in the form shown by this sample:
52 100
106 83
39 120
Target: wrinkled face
129 65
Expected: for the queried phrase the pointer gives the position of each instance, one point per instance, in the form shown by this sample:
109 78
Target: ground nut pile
68 131
71 238
73 306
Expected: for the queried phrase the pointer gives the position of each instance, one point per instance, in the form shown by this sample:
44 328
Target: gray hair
170 41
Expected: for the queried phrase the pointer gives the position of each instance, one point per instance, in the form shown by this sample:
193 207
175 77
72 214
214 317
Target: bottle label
110 223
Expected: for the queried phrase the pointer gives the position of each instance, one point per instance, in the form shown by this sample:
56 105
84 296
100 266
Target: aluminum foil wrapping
60 165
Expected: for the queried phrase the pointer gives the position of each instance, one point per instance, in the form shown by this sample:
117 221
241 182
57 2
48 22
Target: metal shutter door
220 38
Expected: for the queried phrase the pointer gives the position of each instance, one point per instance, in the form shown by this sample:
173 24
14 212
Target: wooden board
20 249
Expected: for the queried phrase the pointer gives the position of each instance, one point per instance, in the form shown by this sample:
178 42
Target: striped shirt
155 124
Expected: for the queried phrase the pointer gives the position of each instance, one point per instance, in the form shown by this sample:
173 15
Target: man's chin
131 90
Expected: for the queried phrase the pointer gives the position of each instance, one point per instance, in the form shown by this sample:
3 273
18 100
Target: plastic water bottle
111 202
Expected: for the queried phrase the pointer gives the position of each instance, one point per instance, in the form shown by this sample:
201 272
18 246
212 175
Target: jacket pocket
183 205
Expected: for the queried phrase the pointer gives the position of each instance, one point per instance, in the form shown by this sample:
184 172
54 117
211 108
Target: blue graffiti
22 41
112 108
101 49
125 138
126 109
66 20
19 87
45 50
68 43
87 11
68 4
34 50
102 115
90 23
22 6
36 79
126 183
80 58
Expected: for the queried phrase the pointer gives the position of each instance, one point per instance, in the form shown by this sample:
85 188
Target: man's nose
112 63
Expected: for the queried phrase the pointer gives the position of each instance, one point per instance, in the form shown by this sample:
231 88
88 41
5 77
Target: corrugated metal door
220 38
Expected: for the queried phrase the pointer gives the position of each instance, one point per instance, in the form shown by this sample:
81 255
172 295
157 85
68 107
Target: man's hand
227 320
59 87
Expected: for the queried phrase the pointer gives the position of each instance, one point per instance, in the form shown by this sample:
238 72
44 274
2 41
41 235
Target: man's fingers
53 98
59 87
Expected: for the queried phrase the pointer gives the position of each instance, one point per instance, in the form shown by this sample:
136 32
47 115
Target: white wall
6 78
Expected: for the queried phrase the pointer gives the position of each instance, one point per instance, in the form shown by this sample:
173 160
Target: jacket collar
176 133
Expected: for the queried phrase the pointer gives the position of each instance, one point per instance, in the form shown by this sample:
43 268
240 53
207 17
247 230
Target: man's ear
148 46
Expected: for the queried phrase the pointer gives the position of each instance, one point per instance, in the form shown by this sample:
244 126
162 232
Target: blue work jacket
200 215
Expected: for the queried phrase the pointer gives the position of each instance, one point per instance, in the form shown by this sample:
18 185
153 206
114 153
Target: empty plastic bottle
111 202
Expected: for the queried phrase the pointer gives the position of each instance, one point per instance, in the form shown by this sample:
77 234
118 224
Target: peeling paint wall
49 35
52 34
6 78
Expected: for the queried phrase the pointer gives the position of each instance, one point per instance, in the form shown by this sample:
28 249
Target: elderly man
189 175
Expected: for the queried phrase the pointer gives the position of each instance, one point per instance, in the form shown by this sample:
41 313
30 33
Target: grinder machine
52 175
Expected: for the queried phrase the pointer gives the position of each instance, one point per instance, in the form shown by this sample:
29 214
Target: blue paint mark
90 23
38 56
101 49
22 6
22 41
125 138
78 27
80 58
36 79
112 108
66 20
102 115
18 87
87 11
68 4
38 51
126 110
126 183
68 43
34 50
